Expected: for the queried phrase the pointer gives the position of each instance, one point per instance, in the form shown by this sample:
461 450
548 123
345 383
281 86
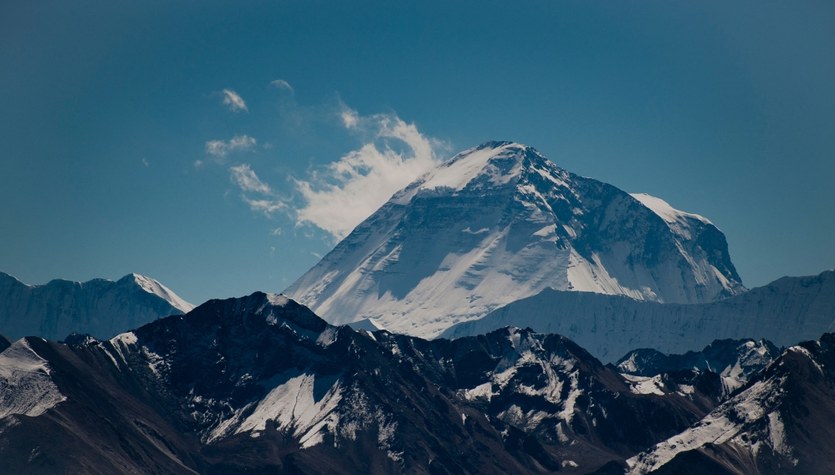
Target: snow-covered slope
782 422
786 311
498 223
99 307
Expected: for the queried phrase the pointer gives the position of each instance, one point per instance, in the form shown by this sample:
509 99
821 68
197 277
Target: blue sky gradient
726 109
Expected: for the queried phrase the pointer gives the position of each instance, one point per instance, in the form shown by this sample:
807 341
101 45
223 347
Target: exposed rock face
260 384
783 421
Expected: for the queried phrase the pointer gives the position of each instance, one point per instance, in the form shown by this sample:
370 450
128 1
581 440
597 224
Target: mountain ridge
99 307
259 384
788 310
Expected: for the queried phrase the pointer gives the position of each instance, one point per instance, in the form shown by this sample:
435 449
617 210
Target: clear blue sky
152 137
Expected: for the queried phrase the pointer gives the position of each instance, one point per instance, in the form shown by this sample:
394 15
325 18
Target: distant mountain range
786 311
500 222
99 307
260 385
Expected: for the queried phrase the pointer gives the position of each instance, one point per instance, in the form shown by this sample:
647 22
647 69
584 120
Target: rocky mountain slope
783 421
786 311
500 222
99 307
260 384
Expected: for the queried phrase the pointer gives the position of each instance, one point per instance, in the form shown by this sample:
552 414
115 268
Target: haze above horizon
223 148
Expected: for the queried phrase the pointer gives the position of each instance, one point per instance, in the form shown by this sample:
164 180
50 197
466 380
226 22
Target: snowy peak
667 212
153 287
488 165
99 307
500 222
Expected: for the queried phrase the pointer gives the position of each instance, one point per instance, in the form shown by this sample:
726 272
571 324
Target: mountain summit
500 222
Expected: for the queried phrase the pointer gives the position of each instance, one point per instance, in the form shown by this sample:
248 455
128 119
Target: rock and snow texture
498 223
25 385
99 307
261 385
780 422
735 361
784 312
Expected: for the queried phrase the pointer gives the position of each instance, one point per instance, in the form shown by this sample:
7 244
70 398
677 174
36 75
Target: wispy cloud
234 101
336 197
266 206
282 84
265 200
350 118
238 143
348 190
247 180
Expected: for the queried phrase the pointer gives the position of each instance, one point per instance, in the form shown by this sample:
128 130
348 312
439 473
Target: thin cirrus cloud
249 183
234 101
220 148
282 84
247 180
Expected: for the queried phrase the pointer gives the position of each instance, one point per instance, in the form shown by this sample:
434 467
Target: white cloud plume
349 190
338 196
234 101
282 84
238 143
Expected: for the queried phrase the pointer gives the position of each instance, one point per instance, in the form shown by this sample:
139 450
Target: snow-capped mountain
261 385
785 311
783 421
735 361
99 307
500 222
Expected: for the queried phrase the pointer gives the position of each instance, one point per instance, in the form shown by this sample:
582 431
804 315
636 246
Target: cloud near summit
345 192
338 196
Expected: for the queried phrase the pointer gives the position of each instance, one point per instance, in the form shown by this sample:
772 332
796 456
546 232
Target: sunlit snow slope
500 222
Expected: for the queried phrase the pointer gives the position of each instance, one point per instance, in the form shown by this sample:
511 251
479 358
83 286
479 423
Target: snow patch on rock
26 387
